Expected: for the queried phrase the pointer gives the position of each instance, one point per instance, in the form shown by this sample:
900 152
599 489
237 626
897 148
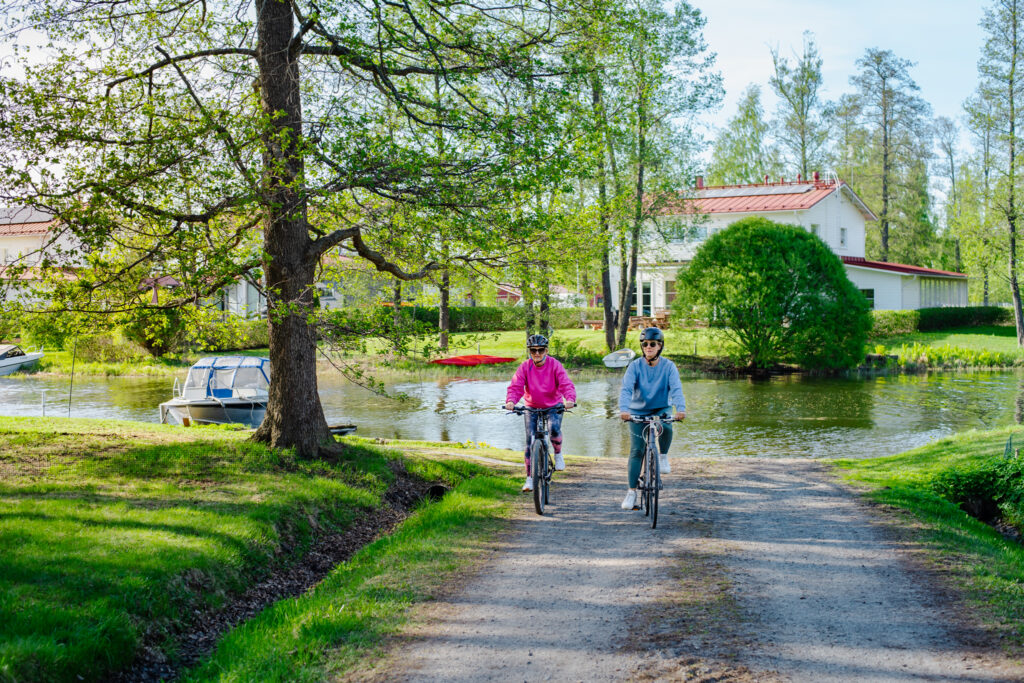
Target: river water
783 416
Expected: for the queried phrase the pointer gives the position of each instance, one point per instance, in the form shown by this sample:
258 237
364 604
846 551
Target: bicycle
650 484
542 467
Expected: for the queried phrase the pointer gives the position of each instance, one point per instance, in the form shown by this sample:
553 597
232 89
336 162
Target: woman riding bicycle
544 383
651 387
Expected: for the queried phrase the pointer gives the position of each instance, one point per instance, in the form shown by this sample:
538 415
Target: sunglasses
538 350
650 343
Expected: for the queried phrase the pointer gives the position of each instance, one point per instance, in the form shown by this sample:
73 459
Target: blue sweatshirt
651 391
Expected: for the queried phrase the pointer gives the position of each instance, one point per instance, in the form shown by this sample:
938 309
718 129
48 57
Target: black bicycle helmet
535 340
652 333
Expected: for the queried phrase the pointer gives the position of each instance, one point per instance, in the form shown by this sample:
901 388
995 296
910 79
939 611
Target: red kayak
472 360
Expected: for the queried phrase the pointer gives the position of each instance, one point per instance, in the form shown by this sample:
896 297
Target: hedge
894 323
498 318
965 316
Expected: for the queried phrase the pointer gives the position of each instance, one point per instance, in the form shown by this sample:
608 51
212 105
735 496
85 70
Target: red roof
25 228
899 267
762 197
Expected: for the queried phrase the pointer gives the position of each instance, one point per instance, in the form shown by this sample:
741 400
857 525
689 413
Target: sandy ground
759 570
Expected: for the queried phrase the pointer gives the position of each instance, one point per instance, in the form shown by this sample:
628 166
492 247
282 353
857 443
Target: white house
827 208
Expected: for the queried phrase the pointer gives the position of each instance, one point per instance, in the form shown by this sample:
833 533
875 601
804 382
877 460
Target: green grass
60 363
1000 338
988 567
109 531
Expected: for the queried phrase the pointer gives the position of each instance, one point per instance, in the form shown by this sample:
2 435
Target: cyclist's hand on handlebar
624 417
569 405
509 405
681 415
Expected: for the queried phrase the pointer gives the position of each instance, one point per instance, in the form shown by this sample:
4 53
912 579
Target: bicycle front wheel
538 458
655 486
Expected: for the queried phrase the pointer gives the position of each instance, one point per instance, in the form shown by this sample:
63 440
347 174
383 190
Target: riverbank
924 488
111 531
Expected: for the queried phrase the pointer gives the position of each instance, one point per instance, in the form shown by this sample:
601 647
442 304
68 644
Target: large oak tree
205 139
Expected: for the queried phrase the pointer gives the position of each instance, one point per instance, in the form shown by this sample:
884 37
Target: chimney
817 176
781 180
799 178
700 182
765 178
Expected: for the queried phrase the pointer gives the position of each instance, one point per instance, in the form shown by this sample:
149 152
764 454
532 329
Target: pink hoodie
542 387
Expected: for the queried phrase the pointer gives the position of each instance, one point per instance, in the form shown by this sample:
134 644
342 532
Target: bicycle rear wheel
538 458
655 486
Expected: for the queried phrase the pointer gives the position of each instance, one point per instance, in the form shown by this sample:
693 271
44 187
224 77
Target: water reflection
784 416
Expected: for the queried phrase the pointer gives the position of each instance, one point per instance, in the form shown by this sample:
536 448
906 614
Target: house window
869 294
816 229
842 237
670 291
645 303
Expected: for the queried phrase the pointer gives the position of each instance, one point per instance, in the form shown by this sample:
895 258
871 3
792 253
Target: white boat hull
9 365
620 358
230 410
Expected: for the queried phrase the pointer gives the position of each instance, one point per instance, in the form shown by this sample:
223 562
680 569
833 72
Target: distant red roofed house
828 208
560 296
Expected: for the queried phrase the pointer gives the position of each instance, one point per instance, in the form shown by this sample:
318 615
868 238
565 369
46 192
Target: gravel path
760 570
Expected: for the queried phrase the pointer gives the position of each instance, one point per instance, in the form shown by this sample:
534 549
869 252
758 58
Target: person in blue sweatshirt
651 387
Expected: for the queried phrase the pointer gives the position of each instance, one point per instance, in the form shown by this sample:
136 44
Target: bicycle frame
541 468
650 475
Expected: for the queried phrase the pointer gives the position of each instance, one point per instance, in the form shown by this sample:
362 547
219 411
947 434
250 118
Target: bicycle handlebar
519 410
649 419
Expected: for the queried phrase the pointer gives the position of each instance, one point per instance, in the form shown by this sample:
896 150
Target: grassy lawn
988 567
110 531
1001 338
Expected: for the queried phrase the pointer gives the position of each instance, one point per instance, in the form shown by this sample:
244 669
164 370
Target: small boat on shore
221 390
620 358
14 358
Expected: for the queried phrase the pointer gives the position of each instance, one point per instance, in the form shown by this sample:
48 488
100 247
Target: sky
941 37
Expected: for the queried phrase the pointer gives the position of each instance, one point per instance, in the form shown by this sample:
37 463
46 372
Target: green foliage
965 316
892 323
984 487
947 356
227 333
158 330
492 318
106 348
780 293
742 152
572 352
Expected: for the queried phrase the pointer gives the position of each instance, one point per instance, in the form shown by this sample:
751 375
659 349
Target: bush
780 293
158 330
106 348
893 323
574 353
984 489
964 316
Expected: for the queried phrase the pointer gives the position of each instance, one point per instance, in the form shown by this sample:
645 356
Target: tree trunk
634 247
884 218
544 308
294 416
606 232
1011 208
443 312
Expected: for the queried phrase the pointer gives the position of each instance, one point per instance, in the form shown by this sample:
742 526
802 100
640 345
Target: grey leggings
636 448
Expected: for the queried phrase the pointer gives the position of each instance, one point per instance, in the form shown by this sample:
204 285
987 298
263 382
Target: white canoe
620 358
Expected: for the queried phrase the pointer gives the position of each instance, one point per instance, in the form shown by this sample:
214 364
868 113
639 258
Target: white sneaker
528 486
629 503
559 462
663 463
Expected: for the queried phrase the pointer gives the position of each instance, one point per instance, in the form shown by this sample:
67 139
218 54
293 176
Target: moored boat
221 390
14 358
620 358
